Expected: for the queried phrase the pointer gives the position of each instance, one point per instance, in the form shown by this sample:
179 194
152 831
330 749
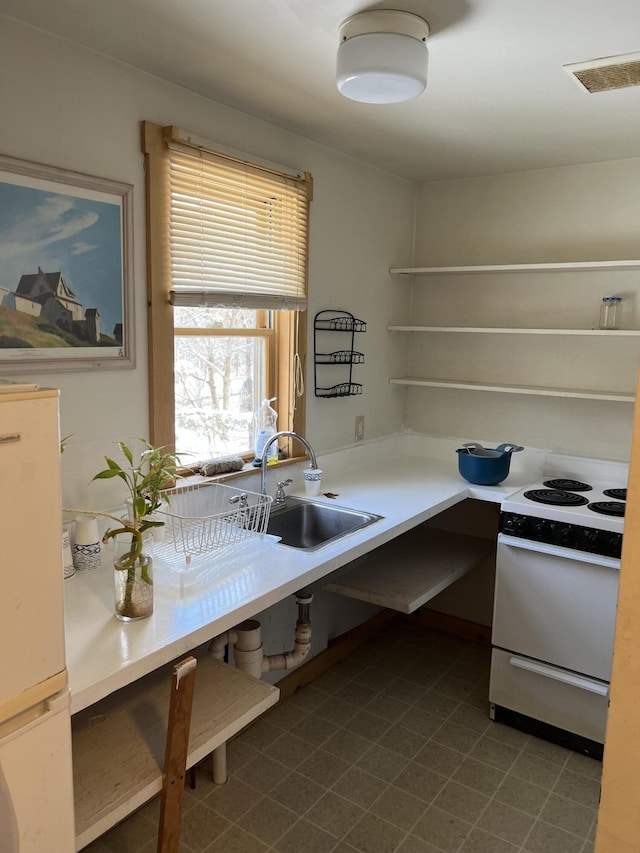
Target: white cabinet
32 626
36 792
512 329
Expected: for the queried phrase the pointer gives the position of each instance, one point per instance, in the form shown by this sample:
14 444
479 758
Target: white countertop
104 654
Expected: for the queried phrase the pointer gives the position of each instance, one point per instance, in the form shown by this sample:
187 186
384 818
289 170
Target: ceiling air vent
610 72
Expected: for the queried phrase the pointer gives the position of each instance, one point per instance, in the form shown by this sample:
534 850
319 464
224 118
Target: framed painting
66 270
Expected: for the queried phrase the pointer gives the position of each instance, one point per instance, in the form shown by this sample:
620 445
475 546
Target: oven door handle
561 675
558 551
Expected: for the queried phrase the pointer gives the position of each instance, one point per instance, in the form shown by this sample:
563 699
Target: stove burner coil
614 508
555 497
616 494
568 485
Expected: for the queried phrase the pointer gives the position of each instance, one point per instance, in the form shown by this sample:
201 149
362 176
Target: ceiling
497 99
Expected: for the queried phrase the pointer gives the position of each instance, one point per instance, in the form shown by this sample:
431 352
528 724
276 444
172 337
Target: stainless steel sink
309 524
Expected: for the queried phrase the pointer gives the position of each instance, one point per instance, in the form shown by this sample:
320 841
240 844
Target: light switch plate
359 430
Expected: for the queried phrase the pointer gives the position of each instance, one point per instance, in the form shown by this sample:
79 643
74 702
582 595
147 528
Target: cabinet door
32 623
36 782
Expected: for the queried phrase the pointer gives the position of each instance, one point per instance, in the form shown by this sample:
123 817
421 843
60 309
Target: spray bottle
264 421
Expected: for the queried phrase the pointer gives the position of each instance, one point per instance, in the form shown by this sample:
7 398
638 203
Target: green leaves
146 479
126 452
64 441
108 474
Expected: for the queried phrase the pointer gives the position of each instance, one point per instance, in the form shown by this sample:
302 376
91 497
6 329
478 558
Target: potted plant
146 477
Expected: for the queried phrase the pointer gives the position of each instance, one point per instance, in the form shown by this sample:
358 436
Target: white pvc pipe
219 643
249 634
219 764
247 651
290 659
246 640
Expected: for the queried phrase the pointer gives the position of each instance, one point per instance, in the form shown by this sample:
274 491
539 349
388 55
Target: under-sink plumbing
246 640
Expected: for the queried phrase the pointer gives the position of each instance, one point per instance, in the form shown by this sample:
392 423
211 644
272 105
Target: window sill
199 479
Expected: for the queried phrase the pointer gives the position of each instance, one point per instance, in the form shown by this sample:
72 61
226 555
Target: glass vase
132 578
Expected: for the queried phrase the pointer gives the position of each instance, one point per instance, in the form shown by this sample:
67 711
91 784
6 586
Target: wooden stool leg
175 759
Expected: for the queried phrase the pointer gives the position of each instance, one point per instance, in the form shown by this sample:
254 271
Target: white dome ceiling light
382 57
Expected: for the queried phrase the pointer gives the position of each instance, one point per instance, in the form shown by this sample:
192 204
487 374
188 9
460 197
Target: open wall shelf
574 266
515 348
537 391
488 330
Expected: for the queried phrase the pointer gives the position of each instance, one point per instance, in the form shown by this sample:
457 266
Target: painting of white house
62 282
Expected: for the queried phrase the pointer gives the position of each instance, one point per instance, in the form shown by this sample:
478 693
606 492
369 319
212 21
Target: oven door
556 605
537 692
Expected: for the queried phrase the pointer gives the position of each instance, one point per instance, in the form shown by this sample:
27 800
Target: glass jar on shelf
610 313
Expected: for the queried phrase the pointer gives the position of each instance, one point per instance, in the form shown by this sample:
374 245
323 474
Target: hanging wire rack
336 321
347 356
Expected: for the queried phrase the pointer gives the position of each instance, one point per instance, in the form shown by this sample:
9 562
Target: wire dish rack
173 577
209 519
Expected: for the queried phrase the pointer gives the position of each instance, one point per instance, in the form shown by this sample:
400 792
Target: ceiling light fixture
382 57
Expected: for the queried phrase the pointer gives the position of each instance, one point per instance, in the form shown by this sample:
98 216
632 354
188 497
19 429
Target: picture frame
66 270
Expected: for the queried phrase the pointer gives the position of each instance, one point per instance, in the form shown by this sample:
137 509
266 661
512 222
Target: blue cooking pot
484 466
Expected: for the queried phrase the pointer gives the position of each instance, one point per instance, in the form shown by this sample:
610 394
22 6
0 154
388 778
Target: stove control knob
521 525
591 539
613 545
564 534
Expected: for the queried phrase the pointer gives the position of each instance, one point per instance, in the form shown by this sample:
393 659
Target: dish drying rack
209 519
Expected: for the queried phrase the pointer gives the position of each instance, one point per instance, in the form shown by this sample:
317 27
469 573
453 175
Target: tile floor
390 750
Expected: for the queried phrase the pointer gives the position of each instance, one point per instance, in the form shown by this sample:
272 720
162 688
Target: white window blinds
238 233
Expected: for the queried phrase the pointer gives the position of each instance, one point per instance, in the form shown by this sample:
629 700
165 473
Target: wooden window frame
289 336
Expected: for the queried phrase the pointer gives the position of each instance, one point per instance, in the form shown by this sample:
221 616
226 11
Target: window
221 358
227 245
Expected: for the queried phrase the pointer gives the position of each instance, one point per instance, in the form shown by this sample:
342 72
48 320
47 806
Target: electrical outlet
359 431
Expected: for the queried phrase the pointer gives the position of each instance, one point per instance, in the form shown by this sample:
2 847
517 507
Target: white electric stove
569 512
557 568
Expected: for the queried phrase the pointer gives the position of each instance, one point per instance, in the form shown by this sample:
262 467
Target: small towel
221 465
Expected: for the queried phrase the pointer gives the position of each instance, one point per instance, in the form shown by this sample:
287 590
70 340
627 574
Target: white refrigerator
36 787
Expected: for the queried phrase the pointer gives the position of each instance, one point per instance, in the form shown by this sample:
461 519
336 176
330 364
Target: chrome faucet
284 434
281 495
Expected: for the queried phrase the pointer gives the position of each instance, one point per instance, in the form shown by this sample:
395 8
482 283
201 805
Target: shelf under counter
411 570
119 743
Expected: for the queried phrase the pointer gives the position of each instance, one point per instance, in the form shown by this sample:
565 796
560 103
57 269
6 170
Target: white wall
72 108
587 212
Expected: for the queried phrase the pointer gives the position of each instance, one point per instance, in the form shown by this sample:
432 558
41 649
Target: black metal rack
345 323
